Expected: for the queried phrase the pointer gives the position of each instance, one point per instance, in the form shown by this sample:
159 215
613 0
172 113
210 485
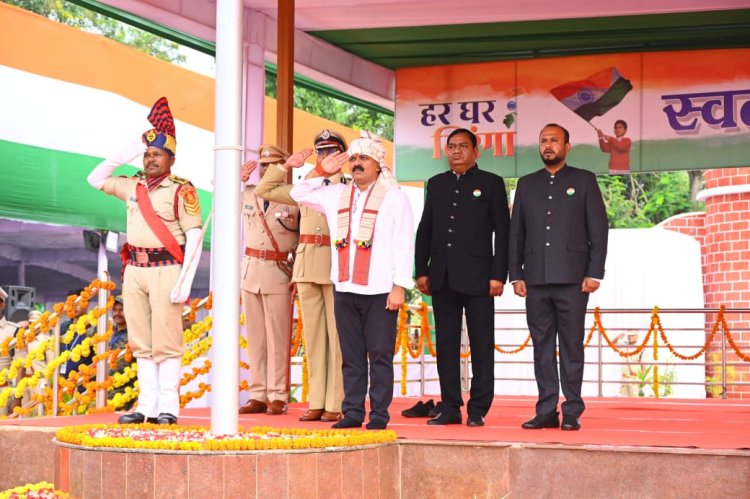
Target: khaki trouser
322 344
267 331
154 322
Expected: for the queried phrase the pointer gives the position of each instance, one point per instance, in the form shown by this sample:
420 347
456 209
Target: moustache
357 168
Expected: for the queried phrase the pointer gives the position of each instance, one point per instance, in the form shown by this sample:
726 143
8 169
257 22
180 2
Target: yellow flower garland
34 490
258 438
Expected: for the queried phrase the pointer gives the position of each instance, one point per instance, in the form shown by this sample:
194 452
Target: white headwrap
3 294
370 145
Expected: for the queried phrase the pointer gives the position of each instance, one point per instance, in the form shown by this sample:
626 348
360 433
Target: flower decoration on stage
195 438
40 490
364 244
341 244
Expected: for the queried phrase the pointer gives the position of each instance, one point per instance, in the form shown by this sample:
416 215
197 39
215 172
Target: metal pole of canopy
226 252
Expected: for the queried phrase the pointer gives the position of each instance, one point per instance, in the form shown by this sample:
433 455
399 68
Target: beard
552 160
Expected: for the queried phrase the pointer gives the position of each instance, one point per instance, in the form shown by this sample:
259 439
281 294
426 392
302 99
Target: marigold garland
39 490
194 438
424 314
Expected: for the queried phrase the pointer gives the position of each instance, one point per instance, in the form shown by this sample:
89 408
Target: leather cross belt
316 239
267 254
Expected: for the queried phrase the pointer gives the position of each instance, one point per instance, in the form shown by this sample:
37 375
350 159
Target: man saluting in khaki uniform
312 275
270 231
160 259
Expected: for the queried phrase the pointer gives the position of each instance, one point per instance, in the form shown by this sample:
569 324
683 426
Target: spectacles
327 151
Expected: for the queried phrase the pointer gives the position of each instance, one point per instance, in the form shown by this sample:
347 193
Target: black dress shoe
347 422
542 421
166 418
444 418
435 410
475 421
376 425
134 418
570 423
419 410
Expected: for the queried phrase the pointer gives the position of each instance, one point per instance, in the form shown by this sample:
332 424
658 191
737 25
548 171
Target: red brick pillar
726 264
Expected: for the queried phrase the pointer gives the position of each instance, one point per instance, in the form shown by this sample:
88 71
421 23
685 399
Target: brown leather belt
267 254
146 257
316 239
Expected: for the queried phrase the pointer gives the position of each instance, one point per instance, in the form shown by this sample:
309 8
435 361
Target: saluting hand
298 159
247 168
333 162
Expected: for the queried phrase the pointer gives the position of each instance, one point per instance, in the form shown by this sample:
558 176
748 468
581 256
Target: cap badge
266 153
570 191
151 135
476 193
325 135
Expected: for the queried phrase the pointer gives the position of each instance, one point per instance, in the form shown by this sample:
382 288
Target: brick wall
724 234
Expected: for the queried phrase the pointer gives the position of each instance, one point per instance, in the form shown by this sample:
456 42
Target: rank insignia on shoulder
179 180
190 198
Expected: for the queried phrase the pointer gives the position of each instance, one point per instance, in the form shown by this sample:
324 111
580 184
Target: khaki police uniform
154 322
312 274
266 295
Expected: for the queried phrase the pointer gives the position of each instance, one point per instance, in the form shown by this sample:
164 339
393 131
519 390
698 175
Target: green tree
92 22
330 108
646 199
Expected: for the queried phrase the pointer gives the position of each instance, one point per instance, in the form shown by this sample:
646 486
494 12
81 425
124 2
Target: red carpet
701 424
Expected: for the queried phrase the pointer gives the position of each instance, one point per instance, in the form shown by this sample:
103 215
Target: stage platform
626 448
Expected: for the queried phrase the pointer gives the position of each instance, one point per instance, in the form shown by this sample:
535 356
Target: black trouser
557 311
366 327
448 306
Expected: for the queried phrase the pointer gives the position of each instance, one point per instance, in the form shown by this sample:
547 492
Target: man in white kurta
371 268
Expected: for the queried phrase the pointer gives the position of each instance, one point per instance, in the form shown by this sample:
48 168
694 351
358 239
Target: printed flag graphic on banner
595 95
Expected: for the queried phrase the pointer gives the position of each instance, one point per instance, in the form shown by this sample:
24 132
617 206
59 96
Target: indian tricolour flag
594 95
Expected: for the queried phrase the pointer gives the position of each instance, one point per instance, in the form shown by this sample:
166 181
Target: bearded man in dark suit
558 245
458 262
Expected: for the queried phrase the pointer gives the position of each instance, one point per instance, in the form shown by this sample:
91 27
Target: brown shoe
312 415
276 408
330 417
253 407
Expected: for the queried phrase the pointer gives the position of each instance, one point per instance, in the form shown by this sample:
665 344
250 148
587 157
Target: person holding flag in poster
618 147
160 258
594 96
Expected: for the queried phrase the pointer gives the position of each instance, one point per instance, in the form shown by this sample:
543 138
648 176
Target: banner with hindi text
631 112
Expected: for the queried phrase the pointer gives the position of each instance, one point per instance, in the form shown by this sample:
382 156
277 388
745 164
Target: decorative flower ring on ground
196 438
41 490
